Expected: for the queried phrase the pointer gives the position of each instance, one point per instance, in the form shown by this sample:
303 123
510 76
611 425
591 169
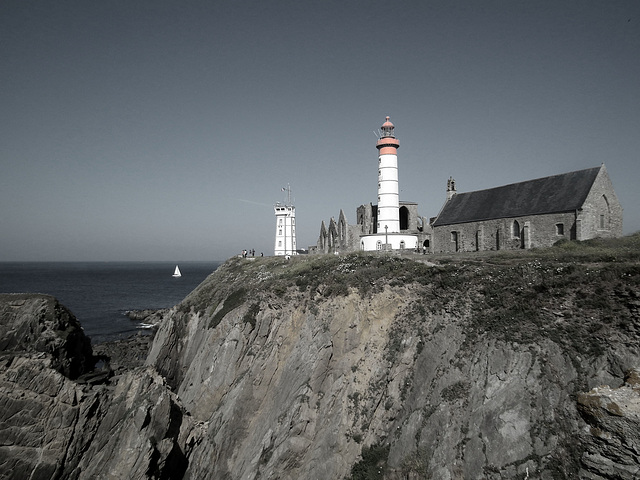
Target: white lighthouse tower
388 235
285 243
388 193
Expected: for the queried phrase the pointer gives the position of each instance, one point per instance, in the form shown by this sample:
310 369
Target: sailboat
177 273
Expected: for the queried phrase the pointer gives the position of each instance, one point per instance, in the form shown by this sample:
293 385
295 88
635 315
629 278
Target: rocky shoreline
148 316
127 353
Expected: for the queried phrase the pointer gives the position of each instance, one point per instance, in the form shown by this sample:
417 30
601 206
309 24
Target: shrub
252 313
373 464
232 302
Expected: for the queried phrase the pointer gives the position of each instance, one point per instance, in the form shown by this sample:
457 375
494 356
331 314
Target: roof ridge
532 180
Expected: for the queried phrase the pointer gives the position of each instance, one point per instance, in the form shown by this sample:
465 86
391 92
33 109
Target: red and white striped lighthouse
388 192
387 235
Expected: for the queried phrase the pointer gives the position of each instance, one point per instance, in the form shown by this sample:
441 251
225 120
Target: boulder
38 323
613 438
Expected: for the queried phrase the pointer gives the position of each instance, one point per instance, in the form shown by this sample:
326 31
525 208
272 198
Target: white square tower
285 243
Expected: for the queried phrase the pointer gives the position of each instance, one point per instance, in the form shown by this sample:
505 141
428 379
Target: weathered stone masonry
537 213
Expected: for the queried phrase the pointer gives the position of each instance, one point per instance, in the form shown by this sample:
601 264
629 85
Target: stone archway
404 218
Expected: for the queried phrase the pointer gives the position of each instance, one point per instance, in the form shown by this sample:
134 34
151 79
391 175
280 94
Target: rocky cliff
60 419
365 366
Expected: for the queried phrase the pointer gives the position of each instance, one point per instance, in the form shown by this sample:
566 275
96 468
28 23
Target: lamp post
386 240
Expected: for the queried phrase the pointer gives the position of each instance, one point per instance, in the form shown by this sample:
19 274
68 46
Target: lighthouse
388 193
388 234
285 243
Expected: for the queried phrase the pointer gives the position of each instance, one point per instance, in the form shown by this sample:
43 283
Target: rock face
53 427
613 443
354 367
301 370
38 323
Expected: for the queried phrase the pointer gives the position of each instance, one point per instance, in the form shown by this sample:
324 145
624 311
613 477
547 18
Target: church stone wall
366 218
411 218
353 238
534 231
601 213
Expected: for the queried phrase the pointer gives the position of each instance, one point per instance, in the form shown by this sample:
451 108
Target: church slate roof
558 193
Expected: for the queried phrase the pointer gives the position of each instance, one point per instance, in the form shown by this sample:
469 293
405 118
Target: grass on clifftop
574 293
335 274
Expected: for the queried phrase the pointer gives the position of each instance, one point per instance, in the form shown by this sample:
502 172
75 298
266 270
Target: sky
165 130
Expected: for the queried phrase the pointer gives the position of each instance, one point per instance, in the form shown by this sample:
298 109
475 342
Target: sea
100 293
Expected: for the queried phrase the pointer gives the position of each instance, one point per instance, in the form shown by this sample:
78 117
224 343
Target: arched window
515 229
379 245
605 213
404 218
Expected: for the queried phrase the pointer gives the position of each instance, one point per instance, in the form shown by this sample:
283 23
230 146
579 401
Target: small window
279 243
293 221
279 231
402 245
455 237
378 245
559 228
280 221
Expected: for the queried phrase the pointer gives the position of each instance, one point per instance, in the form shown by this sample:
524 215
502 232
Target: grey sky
164 130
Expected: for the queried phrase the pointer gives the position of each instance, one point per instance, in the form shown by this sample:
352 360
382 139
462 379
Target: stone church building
537 213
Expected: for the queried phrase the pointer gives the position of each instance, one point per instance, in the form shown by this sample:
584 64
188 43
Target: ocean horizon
100 293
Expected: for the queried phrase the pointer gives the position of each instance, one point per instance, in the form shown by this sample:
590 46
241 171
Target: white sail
177 272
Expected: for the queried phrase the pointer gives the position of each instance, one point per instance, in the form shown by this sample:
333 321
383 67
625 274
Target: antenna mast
288 190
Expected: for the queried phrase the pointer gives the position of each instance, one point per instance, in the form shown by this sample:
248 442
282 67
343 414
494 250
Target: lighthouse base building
391 224
338 236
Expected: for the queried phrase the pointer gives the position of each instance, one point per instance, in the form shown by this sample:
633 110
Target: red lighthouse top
387 125
387 143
